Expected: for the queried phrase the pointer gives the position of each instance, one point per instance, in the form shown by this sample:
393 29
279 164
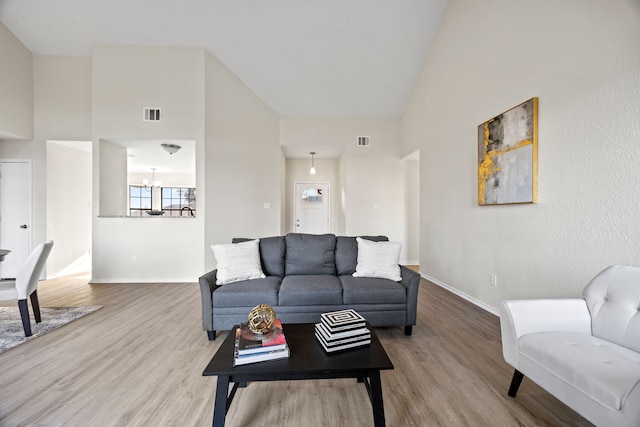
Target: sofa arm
207 286
521 317
411 280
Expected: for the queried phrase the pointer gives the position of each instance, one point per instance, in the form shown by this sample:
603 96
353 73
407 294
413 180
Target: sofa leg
408 330
515 383
211 335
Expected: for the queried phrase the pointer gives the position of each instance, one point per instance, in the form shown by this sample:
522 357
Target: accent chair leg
515 383
24 315
35 304
408 330
211 335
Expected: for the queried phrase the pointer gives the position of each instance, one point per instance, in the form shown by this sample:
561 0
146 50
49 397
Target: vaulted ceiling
310 58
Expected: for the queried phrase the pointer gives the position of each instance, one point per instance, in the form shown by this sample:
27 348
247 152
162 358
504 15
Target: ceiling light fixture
155 184
312 171
171 148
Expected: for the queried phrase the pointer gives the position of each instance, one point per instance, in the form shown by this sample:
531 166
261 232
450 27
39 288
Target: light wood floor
138 362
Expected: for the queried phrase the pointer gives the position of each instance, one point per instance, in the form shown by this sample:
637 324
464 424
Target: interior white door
311 208
15 214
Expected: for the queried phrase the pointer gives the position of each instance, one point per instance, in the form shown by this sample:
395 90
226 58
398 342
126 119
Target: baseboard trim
410 262
461 294
129 281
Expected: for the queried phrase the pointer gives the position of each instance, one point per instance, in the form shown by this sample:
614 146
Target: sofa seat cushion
248 293
603 371
310 290
367 290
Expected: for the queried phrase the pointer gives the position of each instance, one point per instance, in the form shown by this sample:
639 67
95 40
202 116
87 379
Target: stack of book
342 330
251 347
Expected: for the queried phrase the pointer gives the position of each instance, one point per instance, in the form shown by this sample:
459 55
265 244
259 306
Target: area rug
12 333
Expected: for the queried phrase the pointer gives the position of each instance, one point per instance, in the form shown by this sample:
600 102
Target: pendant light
312 171
155 185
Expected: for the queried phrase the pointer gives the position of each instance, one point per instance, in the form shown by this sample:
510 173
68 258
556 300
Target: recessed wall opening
69 207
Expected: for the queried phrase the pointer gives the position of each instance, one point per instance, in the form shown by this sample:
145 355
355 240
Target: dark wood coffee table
307 361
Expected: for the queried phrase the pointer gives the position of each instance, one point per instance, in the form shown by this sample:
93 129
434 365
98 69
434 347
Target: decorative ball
261 319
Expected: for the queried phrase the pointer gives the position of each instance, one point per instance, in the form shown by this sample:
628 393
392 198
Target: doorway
15 214
69 207
311 207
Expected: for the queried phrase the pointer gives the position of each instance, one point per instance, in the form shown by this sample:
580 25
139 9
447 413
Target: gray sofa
307 275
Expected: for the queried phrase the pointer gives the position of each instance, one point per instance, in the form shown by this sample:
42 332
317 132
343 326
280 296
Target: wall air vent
151 114
363 141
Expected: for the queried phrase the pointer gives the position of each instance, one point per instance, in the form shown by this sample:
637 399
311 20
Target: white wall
582 59
112 176
125 80
411 184
166 178
62 88
243 162
60 108
62 98
69 211
16 87
371 180
328 170
102 97
283 199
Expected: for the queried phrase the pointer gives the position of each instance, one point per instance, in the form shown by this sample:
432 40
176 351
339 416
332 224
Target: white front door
15 214
311 206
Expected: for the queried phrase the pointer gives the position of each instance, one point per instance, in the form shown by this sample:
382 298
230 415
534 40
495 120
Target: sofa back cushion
310 254
347 253
272 253
613 298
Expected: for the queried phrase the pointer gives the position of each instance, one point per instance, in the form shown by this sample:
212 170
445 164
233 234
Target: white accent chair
26 285
584 351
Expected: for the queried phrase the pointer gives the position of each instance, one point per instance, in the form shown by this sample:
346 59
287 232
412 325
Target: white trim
461 294
135 281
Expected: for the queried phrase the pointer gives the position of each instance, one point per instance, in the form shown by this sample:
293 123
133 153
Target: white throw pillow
237 261
378 259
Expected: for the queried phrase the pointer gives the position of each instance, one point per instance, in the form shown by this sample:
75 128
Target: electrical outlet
133 260
493 280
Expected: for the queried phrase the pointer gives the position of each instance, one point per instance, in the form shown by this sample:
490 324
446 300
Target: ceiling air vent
363 141
151 114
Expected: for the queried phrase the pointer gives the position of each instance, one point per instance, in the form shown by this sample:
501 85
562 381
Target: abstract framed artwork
508 156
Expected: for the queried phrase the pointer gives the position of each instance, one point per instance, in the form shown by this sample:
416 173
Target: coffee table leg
220 405
376 399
